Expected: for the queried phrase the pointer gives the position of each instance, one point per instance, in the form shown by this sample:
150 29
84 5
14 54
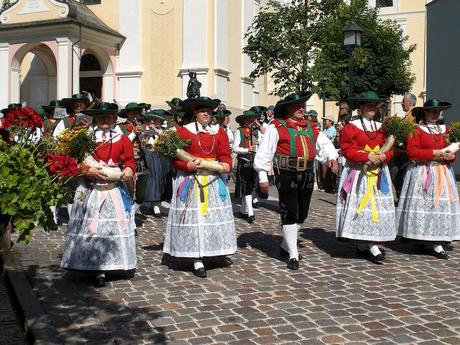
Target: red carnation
63 165
23 117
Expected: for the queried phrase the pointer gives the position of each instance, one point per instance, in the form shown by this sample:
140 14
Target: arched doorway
91 75
34 75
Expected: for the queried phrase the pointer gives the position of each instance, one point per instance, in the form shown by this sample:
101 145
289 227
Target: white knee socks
69 209
290 240
197 264
438 248
54 212
246 205
248 202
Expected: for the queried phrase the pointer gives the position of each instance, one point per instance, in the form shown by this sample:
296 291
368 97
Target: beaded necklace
199 141
373 128
433 133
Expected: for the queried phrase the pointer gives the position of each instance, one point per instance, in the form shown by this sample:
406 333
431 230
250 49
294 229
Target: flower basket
170 144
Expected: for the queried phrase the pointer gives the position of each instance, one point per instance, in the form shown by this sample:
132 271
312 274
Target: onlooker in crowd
327 178
269 115
408 103
400 161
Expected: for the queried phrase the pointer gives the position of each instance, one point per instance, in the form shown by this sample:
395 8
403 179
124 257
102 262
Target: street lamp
351 40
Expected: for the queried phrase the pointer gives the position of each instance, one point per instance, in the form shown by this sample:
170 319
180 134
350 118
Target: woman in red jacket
429 209
100 235
200 222
365 205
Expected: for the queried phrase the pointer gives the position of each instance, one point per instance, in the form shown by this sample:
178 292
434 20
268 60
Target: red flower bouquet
22 117
63 165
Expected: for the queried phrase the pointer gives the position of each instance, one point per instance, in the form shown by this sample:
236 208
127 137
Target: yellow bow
372 176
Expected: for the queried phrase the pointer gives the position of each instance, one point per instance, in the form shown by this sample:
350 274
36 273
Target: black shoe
157 215
99 281
376 259
242 215
440 255
251 219
54 227
201 272
256 204
293 264
285 253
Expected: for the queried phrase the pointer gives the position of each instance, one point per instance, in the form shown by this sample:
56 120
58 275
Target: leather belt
296 164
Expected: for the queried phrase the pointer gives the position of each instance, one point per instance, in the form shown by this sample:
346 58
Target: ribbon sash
369 197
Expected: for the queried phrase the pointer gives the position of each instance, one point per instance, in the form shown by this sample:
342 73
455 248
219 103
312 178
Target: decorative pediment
26 11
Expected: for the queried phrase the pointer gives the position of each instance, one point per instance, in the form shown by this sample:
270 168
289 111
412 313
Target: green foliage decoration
26 189
454 132
169 142
400 128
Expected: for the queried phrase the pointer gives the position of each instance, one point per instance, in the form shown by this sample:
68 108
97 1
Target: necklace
199 141
373 128
103 143
434 132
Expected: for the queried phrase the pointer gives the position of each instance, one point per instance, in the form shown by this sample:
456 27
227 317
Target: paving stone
334 298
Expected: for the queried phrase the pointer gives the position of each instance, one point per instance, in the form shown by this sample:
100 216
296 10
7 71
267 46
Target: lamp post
351 40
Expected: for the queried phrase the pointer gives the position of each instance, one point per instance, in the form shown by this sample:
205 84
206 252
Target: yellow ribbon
372 176
203 205
441 170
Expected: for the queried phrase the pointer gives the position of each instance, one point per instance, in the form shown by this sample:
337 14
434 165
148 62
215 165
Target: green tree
299 45
281 41
381 64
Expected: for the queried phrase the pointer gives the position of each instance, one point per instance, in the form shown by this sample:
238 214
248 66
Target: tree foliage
300 45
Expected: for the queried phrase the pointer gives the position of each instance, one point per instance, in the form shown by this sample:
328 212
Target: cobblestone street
334 298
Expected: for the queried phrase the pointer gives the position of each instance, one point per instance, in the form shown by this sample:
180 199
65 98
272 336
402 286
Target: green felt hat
293 98
365 97
221 113
431 104
78 97
157 114
434 103
175 104
312 112
102 108
133 106
258 109
11 106
191 104
246 115
53 104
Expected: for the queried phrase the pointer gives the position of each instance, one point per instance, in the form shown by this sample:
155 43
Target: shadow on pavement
266 243
186 264
327 242
82 314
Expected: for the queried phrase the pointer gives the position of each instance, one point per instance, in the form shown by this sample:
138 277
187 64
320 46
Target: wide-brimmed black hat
365 97
78 97
102 108
133 106
221 113
246 115
157 114
11 106
191 104
293 98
